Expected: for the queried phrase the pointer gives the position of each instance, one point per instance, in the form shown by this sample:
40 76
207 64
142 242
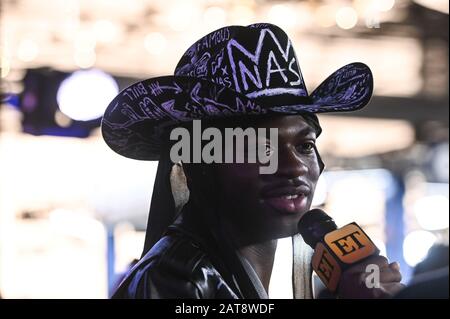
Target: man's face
259 207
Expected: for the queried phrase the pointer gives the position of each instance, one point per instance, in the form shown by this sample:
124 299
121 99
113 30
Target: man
222 243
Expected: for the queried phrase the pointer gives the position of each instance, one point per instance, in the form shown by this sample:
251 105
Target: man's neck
261 257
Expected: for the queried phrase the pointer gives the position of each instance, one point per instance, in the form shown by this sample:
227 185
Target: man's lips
289 199
284 191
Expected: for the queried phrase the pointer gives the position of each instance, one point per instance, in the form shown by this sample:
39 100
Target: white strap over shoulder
301 268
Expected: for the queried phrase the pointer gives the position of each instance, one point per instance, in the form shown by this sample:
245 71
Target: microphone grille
314 225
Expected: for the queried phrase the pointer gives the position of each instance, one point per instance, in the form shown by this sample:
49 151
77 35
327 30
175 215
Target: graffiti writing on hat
219 73
157 89
213 39
135 91
155 101
270 70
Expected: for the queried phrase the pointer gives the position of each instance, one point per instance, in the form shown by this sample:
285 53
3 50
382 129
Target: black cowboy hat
233 71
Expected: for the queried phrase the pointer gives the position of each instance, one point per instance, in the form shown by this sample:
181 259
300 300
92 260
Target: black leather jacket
176 267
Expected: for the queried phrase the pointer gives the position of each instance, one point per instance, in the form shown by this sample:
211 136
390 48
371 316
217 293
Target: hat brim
136 121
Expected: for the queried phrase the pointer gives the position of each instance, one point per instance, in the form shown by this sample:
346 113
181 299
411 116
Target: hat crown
257 61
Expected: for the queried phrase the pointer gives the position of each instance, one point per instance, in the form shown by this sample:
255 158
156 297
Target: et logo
350 244
326 267
338 250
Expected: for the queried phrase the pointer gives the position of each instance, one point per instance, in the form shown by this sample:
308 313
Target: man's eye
306 148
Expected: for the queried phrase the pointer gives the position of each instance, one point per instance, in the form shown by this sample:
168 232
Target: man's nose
290 164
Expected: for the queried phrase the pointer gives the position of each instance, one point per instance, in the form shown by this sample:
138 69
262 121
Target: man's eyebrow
305 131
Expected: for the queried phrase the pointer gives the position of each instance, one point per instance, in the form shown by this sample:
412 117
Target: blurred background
73 213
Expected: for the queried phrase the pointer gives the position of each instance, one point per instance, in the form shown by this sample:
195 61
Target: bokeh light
416 246
346 18
85 94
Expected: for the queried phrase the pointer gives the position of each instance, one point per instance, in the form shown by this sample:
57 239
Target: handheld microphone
335 250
